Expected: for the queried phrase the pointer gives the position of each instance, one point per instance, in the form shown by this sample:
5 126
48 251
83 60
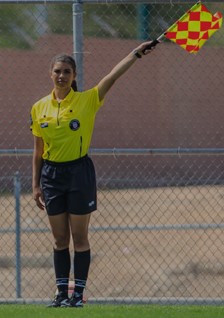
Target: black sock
81 269
62 265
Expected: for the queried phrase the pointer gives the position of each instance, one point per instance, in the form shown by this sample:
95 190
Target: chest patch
74 124
44 125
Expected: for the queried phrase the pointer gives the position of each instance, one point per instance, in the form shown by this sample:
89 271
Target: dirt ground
138 246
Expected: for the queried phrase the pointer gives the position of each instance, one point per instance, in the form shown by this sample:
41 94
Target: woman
64 180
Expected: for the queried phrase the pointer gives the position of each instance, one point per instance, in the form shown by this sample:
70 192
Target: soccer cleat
76 301
60 300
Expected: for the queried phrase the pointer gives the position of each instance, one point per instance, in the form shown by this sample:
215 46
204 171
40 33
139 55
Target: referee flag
194 28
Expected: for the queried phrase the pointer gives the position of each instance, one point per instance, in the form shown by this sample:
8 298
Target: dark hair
64 58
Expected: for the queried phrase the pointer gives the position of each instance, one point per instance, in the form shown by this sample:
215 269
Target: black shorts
69 186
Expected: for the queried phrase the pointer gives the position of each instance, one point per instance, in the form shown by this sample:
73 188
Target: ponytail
74 86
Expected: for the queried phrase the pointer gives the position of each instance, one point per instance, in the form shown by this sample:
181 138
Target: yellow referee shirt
66 127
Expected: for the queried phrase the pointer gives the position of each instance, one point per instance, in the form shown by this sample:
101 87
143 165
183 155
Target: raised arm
107 82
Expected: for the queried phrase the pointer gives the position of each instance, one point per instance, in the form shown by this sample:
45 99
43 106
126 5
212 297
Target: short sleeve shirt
66 127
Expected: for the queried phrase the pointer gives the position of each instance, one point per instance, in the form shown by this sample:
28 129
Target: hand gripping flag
193 29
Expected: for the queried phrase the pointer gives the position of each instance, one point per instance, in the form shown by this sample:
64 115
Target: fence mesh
158 231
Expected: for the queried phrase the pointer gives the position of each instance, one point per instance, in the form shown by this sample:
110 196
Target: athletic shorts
69 186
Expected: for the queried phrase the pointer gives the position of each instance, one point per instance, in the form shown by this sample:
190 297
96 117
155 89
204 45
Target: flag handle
153 43
158 40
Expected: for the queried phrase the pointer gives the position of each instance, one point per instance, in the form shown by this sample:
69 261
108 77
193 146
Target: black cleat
76 301
60 300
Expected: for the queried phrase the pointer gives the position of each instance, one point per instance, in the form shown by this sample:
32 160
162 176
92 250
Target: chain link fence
157 236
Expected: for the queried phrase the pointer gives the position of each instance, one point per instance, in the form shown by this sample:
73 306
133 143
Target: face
62 75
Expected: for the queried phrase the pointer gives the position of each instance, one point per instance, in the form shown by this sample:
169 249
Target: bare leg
61 230
79 228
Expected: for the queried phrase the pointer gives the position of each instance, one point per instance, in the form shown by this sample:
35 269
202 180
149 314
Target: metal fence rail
45 2
129 151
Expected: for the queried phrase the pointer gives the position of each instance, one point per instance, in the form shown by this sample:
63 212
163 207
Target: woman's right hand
38 197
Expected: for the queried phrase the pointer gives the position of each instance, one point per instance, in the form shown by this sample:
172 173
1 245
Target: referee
63 181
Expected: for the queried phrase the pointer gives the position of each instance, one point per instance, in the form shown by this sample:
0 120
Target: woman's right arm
37 166
107 82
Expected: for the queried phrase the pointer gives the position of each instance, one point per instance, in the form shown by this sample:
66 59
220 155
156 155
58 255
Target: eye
68 71
57 71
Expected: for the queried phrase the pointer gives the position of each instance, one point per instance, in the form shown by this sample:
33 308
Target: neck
60 94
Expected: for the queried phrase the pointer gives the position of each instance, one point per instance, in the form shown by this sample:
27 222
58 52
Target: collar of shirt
66 99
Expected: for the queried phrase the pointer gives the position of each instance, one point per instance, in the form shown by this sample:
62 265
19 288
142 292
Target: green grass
108 311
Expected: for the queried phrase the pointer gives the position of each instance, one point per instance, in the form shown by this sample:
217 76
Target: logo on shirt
74 124
44 125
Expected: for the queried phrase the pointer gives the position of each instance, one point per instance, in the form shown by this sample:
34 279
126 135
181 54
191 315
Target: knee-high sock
62 265
81 269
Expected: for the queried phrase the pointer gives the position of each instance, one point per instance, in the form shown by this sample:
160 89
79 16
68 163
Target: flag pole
159 39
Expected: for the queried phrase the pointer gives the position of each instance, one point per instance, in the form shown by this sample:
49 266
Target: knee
80 242
61 242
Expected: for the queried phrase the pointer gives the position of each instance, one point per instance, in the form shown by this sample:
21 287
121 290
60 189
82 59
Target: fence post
17 189
143 21
77 9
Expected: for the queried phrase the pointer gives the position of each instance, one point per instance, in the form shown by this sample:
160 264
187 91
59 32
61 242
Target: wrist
35 186
137 54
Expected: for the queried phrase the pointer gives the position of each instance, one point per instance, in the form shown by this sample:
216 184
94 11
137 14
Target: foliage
22 24
16 30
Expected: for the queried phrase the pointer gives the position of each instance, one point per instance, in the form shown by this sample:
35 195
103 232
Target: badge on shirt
44 125
74 124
